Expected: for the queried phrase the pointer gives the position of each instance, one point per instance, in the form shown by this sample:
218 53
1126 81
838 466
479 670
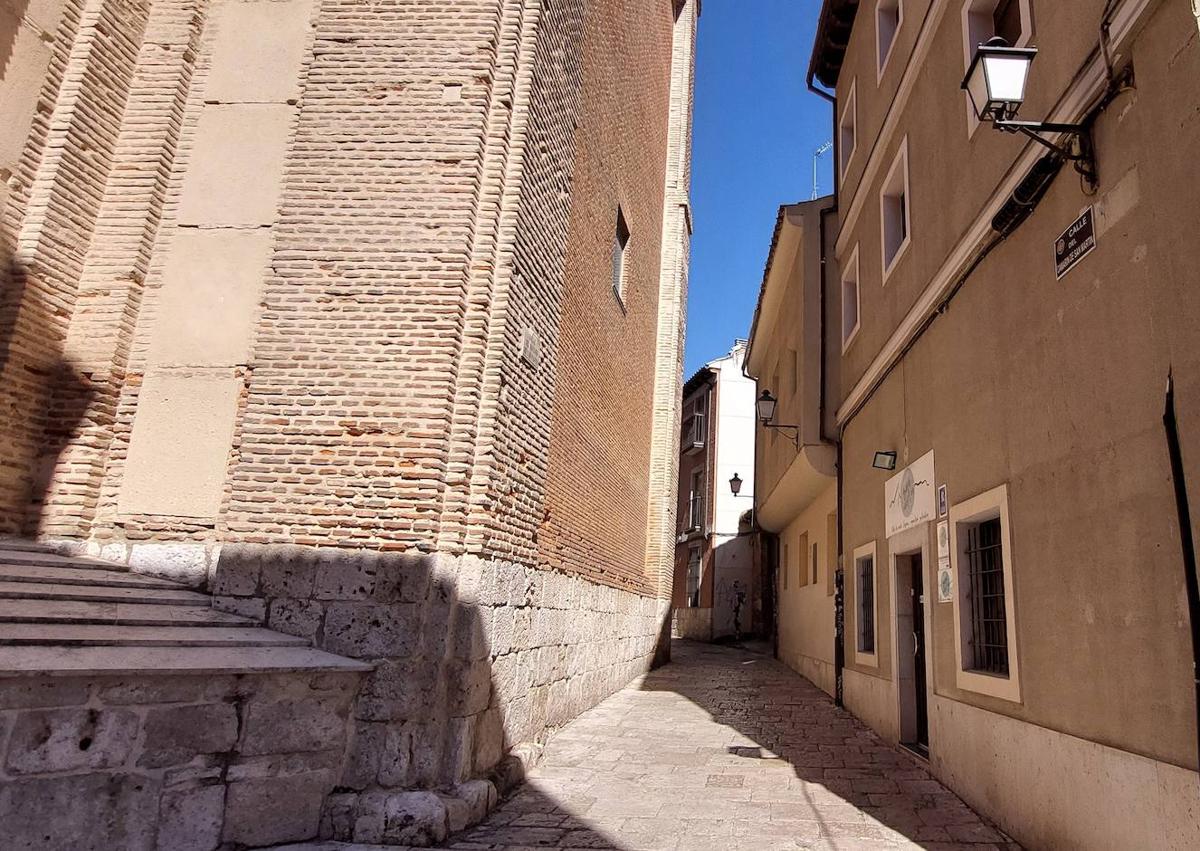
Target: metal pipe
1171 424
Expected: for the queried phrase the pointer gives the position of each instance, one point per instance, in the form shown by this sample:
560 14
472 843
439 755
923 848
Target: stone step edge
58 661
108 635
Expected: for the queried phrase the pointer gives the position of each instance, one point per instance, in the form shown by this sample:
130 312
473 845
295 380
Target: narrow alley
726 749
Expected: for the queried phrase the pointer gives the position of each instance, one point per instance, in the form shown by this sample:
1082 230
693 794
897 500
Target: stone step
18 661
68 635
30 546
12 556
101 594
133 614
81 576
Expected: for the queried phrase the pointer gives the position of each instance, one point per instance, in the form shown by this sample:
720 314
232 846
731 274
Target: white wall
734 443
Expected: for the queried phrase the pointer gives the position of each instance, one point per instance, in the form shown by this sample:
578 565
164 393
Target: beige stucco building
1016 606
365 320
793 356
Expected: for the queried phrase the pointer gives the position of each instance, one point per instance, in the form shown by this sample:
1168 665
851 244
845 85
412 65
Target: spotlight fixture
884 460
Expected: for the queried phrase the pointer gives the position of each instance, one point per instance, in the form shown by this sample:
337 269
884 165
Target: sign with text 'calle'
908 496
1076 242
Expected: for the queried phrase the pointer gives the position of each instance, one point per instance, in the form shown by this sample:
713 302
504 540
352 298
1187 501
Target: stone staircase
140 717
82 615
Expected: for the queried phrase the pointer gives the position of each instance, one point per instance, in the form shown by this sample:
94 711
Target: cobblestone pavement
726 749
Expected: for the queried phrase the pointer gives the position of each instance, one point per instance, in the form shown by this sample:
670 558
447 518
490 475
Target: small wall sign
1076 242
942 502
945 582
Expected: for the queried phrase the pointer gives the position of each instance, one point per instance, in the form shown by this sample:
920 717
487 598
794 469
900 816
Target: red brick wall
595 521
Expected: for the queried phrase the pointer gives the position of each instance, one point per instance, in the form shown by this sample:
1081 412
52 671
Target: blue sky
756 128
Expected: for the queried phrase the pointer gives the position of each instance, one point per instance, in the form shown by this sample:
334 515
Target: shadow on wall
45 398
473 662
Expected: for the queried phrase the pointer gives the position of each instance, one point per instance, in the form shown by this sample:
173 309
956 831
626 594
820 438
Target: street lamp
735 484
766 412
766 407
996 84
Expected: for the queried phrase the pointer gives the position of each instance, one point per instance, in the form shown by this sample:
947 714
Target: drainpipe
1185 535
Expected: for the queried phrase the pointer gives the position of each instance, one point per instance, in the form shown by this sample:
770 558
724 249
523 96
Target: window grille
866 605
989 620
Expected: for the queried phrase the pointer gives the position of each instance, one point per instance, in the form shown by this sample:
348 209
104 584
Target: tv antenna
824 149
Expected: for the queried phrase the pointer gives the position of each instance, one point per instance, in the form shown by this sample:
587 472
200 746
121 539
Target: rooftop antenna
824 149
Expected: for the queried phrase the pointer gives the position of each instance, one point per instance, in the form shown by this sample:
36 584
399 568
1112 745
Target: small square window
850 301
848 130
895 211
888 17
619 265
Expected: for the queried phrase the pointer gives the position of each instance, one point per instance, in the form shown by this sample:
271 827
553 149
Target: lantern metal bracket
795 436
1082 154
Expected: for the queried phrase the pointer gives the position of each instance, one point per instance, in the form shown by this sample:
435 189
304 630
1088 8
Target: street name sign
1076 242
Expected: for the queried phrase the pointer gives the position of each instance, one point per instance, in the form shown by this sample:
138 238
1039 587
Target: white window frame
852 264
975 9
870 660
849 110
883 60
985 506
885 192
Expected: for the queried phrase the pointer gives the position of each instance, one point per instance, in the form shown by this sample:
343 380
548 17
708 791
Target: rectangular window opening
887 22
814 564
848 129
693 578
697 500
894 209
985 598
620 249
850 301
865 568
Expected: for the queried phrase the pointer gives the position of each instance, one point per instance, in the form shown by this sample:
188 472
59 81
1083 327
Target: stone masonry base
472 657
144 762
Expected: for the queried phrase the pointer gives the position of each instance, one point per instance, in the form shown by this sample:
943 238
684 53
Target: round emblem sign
945 584
908 492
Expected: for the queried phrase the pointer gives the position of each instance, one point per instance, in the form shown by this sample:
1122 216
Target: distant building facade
717 583
1016 603
367 319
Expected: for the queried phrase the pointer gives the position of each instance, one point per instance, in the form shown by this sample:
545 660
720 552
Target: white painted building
715 581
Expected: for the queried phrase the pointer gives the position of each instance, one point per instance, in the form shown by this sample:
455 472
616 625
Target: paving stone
724 749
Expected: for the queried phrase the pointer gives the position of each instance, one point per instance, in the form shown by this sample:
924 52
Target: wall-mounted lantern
766 407
996 83
766 412
735 484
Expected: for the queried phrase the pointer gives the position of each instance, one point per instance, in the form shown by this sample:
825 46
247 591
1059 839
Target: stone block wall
472 657
169 763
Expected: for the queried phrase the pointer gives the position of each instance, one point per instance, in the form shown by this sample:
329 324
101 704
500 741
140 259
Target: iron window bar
866 605
989 617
